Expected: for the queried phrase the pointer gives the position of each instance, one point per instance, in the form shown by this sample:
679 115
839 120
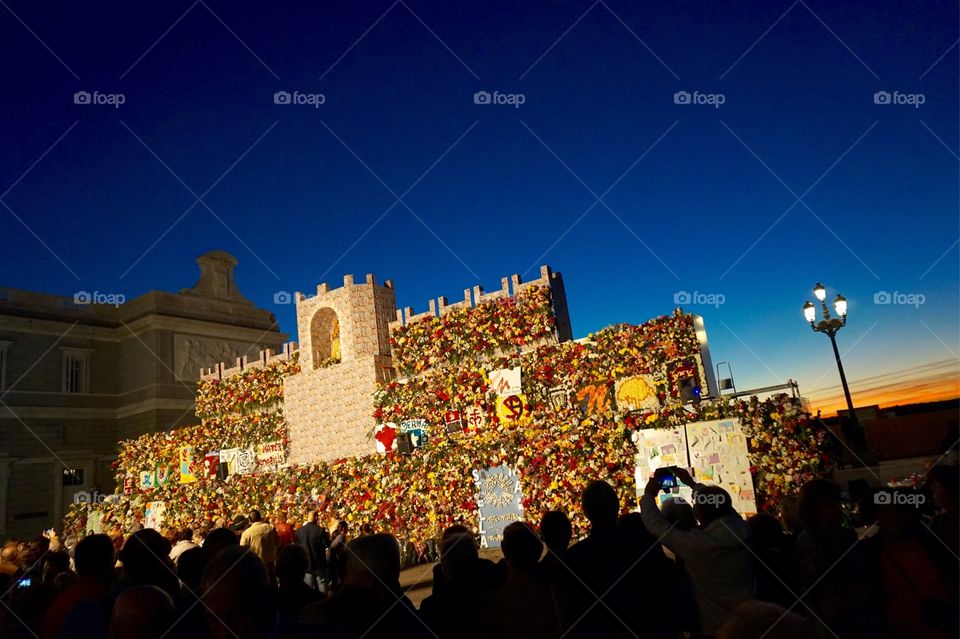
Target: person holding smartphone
715 553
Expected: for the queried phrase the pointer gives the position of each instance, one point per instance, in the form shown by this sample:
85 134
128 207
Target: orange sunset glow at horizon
931 382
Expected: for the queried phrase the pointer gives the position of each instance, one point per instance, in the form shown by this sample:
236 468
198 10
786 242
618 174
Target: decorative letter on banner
500 502
186 461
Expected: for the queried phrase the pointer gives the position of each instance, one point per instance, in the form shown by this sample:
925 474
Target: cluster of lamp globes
839 305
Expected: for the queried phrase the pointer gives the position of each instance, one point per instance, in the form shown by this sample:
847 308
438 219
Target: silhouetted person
141 612
371 602
525 606
238 600
763 620
190 619
145 557
94 561
293 593
461 580
556 532
715 555
336 555
829 570
943 483
315 540
917 574
623 567
219 539
773 555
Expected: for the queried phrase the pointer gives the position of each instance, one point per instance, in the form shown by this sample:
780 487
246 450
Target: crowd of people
673 569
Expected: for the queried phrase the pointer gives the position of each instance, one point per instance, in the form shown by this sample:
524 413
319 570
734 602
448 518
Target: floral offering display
463 334
251 389
564 429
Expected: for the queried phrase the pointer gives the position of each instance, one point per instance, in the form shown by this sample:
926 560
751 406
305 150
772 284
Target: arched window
325 337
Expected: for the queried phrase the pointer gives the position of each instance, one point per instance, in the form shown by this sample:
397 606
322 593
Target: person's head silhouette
556 531
600 504
521 547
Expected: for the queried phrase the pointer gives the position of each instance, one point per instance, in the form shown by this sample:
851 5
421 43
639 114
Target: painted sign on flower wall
506 381
499 502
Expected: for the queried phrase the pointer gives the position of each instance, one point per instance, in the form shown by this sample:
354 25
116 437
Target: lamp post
830 325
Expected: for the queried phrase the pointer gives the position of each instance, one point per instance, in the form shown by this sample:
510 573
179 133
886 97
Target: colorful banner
386 437
228 462
148 479
418 431
186 463
163 474
211 463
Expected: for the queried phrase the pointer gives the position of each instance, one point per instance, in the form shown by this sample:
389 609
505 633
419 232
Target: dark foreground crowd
682 570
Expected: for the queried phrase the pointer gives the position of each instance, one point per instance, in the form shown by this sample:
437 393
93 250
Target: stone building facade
77 376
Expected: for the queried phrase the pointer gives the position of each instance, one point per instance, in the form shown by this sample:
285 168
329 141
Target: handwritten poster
270 455
658 448
153 514
718 455
499 501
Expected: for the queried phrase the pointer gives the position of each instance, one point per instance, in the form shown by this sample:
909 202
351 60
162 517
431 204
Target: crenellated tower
344 352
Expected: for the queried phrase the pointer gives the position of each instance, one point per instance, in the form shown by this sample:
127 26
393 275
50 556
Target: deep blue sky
800 97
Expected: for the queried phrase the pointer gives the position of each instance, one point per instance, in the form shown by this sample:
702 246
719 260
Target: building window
76 370
3 363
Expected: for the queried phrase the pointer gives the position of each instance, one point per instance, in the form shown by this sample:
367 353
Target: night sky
819 143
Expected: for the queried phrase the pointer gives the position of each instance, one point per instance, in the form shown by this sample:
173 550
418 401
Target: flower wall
570 424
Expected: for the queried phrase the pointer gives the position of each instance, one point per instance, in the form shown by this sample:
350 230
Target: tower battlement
264 358
508 287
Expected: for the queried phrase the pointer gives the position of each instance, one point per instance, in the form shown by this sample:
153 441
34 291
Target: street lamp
830 325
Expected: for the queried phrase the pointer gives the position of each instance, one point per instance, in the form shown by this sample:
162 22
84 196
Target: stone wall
328 410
